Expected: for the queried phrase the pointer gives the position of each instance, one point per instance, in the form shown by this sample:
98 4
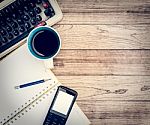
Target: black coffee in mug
44 42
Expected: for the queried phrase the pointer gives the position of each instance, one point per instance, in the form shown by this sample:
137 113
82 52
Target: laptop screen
4 3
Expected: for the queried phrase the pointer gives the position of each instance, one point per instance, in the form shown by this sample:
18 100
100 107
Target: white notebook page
18 68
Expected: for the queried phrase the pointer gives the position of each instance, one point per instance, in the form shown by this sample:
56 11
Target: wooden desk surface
105 56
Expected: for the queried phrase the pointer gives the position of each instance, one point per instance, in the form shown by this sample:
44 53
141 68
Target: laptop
19 17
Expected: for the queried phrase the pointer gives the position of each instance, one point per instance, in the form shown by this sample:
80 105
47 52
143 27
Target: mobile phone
61 106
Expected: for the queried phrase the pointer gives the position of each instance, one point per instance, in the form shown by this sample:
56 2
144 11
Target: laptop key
20 21
26 8
47 12
4 40
26 17
14 16
39 1
31 13
19 3
12 7
38 18
1 14
33 21
16 32
37 10
27 25
6 11
3 32
10 36
15 5
45 5
20 12
8 19
21 29
2 23
8 28
32 5
14 25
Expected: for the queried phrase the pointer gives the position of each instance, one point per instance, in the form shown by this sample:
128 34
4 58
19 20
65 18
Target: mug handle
49 63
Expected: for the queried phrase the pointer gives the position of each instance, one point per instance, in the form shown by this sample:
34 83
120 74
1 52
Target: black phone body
61 106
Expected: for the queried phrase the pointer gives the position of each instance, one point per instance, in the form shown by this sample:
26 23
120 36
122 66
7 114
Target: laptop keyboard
19 18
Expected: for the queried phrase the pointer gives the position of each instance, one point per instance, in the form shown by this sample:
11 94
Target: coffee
45 43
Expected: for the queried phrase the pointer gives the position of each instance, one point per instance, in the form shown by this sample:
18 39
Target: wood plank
102 62
104 36
117 113
116 100
105 6
119 122
105 18
92 89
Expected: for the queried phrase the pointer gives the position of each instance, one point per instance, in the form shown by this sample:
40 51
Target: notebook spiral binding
29 105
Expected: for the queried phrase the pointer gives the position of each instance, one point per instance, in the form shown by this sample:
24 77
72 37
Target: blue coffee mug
44 43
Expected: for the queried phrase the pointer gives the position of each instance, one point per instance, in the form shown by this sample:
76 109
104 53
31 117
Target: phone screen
63 102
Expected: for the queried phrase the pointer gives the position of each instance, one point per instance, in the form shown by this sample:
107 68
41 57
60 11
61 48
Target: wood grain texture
106 18
104 36
117 113
102 62
113 100
105 56
105 6
105 11
109 88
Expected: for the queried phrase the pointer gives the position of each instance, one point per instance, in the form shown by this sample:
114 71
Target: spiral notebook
29 106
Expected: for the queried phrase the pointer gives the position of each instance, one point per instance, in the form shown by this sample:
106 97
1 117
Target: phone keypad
52 119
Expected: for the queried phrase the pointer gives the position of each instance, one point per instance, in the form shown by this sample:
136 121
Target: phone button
47 123
50 115
61 122
54 123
